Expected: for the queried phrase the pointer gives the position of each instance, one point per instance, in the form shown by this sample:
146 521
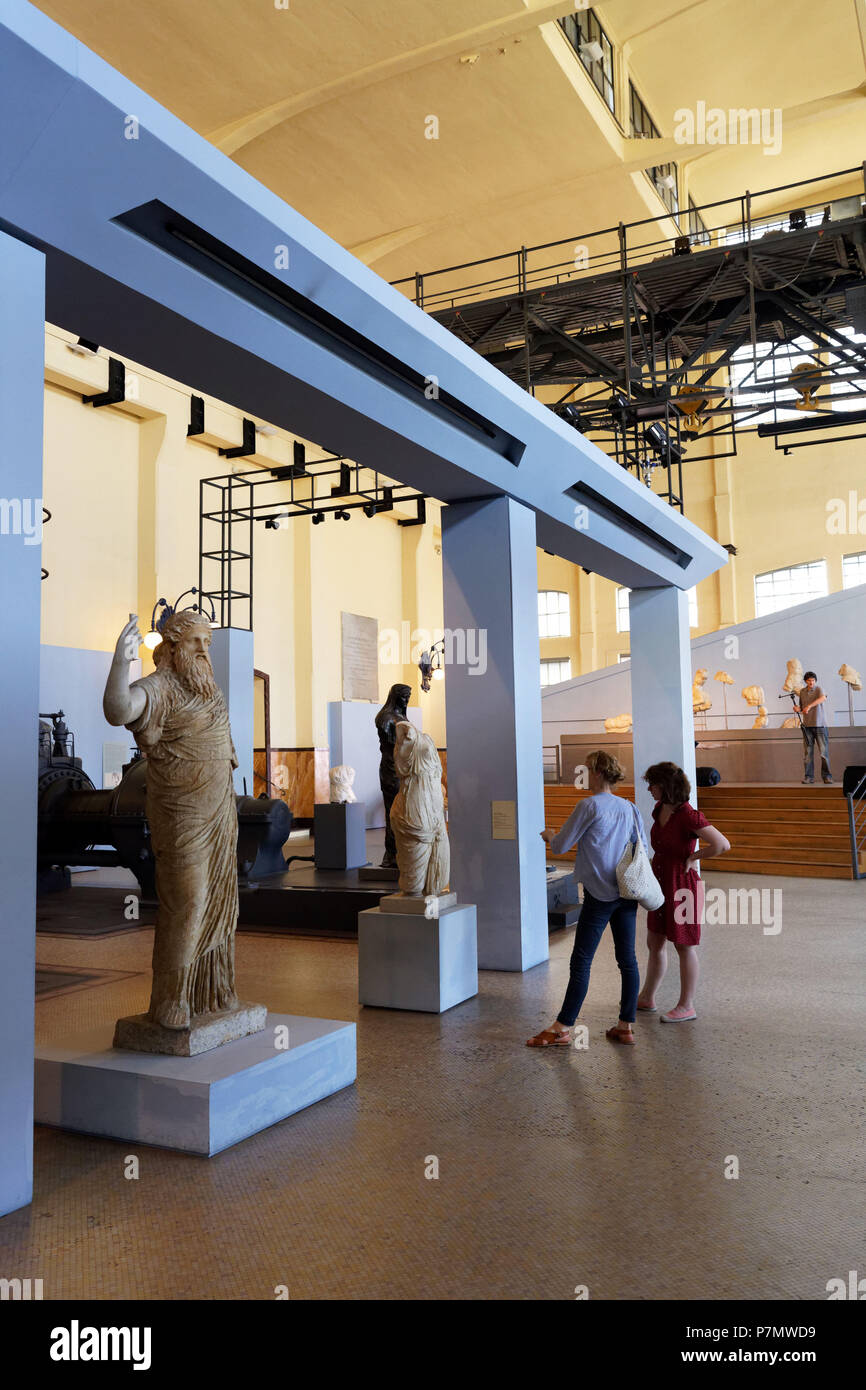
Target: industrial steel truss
653 341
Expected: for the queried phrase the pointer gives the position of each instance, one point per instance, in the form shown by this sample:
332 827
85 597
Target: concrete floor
602 1168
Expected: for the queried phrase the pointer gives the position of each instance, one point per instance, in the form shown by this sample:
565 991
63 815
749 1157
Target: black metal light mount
432 663
421 516
196 416
249 445
344 486
116 386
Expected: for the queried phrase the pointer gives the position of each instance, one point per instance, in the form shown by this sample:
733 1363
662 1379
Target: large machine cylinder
75 816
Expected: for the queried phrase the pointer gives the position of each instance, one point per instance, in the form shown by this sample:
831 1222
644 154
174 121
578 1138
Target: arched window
554 616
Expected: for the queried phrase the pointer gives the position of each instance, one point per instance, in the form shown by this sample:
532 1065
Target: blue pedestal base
412 962
202 1104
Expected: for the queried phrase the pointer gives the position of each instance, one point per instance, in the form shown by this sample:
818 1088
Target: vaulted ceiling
330 105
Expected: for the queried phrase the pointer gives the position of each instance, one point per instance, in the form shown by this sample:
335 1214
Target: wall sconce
432 664
153 638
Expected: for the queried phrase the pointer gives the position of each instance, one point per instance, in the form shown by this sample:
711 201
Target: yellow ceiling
327 102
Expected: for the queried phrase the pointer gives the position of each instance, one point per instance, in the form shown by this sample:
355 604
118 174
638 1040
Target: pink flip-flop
676 1016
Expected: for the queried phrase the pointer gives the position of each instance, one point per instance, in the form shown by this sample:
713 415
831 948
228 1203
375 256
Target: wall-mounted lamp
432 664
154 637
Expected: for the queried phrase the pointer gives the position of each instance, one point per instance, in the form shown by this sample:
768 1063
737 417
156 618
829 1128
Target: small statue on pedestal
418 815
341 778
390 715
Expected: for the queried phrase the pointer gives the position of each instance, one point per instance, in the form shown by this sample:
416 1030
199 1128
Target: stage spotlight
342 516
797 220
318 518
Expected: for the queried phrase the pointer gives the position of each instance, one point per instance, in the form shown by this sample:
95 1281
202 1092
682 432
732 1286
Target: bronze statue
393 712
180 722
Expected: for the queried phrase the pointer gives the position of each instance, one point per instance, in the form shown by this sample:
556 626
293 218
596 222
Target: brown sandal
621 1035
548 1038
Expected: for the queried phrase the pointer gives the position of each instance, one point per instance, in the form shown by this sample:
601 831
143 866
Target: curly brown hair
607 766
673 783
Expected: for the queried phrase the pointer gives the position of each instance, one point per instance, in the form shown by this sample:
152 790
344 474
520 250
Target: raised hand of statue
129 641
122 703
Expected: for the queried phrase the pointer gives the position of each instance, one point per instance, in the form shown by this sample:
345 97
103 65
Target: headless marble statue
418 815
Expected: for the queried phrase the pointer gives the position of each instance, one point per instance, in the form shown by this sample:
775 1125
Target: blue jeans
811 736
594 917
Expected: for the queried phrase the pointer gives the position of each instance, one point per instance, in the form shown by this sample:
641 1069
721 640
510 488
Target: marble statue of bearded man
418 815
180 722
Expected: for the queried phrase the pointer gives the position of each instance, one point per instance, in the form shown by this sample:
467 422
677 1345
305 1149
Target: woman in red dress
676 829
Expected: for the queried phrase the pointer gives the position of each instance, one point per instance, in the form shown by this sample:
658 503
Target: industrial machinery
81 824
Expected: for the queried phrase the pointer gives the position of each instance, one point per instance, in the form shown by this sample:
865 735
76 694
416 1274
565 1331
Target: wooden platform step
787 831
779 868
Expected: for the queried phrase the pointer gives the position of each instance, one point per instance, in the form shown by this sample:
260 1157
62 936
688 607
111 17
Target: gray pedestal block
198 1104
413 962
340 835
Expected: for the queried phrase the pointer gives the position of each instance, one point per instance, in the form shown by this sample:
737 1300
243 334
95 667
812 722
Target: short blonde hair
607 766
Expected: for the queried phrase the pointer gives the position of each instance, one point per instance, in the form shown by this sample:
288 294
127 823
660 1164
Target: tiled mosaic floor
603 1168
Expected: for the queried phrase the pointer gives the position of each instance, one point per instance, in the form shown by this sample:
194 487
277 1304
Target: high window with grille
552 672
663 177
784 588
594 49
554 618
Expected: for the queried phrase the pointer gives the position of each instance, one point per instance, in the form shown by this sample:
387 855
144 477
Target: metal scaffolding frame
639 326
231 505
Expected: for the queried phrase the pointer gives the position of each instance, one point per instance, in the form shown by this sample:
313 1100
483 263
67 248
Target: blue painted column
661 685
231 654
493 711
22 348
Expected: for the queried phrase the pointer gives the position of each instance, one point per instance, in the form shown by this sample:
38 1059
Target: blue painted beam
83 147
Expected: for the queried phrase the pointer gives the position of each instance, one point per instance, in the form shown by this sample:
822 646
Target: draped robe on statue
192 814
418 815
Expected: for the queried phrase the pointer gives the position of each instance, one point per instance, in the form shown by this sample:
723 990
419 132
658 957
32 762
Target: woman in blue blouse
600 826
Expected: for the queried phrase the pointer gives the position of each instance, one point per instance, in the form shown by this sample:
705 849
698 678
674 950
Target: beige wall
773 508
122 484
123 488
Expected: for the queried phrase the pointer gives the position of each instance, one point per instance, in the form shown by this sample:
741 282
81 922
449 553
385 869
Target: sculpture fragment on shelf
853 681
618 724
700 703
724 680
341 779
754 695
794 681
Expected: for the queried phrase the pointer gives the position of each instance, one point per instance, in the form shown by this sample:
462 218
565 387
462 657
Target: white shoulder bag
634 875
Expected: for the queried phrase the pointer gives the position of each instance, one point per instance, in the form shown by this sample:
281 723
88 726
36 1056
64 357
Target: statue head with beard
184 649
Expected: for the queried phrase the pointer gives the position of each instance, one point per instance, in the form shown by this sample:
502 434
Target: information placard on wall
360 657
504 820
